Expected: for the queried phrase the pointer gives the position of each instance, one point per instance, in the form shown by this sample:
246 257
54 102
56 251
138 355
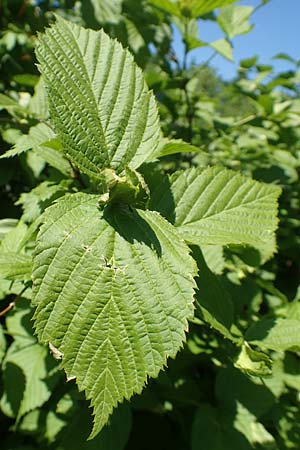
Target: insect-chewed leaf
99 103
113 290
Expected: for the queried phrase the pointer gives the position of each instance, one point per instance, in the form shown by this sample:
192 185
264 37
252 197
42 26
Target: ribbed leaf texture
113 291
15 266
218 206
278 334
99 103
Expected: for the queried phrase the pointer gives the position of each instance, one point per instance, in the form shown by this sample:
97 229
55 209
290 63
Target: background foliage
217 393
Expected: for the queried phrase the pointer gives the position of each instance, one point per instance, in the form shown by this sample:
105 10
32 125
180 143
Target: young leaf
252 362
100 106
224 48
234 20
218 206
113 290
37 135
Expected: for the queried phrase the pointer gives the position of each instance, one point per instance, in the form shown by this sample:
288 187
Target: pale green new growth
113 291
37 135
99 103
223 47
234 20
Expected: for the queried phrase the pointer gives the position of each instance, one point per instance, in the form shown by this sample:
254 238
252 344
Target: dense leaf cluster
140 272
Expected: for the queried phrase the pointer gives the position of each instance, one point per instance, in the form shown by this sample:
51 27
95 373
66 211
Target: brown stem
7 309
12 304
23 9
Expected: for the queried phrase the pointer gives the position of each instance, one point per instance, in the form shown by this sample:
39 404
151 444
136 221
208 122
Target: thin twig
7 309
23 9
189 106
12 304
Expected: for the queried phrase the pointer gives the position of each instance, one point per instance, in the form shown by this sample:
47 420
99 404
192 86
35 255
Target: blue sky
276 30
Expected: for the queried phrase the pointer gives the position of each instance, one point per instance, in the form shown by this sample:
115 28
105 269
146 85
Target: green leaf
70 429
6 225
285 57
41 139
168 6
198 8
275 334
113 289
7 102
104 114
19 323
248 63
212 300
172 146
104 11
221 429
38 102
206 429
253 363
13 240
234 20
216 206
35 201
10 104
234 386
224 48
256 434
190 32
214 258
30 363
190 8
37 135
14 266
